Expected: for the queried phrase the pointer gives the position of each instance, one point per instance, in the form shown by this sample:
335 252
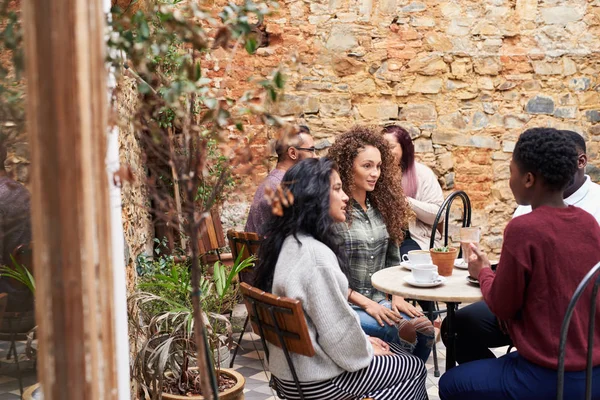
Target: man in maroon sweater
544 256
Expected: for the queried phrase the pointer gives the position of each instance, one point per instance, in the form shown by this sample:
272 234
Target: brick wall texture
464 77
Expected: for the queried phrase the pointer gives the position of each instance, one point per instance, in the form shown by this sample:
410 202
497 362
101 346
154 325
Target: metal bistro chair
564 330
281 322
434 310
245 243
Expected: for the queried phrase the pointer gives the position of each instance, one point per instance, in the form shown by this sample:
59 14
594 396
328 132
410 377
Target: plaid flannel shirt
368 248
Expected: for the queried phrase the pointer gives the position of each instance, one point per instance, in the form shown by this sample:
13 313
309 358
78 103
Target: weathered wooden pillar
67 117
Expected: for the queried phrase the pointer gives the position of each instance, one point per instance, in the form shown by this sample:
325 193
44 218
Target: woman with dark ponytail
301 258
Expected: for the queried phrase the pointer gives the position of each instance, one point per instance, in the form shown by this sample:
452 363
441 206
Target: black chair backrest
445 211
564 330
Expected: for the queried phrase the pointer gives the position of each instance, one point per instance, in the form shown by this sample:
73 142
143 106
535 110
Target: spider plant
166 319
18 273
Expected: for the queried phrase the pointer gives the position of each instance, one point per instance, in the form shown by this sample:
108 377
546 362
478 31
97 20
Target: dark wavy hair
547 153
309 182
387 196
410 184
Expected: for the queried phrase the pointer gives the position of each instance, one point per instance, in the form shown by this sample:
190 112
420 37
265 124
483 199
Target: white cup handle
436 276
404 257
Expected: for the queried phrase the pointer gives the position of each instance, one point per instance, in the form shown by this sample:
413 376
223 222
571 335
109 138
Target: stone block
363 85
445 162
379 111
337 106
562 15
454 121
465 140
461 67
579 84
423 146
487 66
565 112
422 22
547 68
415 6
426 85
540 105
501 171
344 66
526 9
489 108
429 64
342 38
569 66
418 113
296 105
485 83
593 116
459 26
478 121
449 180
508 146
388 6
438 42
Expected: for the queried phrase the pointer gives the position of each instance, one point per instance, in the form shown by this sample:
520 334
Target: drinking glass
468 236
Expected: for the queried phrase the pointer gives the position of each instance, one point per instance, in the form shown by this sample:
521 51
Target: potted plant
444 258
165 365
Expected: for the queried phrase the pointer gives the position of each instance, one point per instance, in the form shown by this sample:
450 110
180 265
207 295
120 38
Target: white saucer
407 265
460 263
411 281
472 281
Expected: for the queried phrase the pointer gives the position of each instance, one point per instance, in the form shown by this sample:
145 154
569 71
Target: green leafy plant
19 273
167 320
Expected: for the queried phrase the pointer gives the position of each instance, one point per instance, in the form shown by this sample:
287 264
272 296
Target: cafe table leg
451 336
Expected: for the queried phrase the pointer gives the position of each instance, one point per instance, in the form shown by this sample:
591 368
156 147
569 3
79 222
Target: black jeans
477 330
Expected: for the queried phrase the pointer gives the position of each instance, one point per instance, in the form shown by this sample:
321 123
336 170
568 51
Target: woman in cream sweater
301 258
421 188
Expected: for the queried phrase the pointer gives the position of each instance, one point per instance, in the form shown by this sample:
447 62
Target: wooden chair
212 239
564 330
281 322
247 244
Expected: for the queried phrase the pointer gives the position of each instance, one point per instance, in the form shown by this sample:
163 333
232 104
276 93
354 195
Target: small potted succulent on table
444 258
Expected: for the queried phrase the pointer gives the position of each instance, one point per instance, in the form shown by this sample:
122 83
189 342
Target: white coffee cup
417 257
425 273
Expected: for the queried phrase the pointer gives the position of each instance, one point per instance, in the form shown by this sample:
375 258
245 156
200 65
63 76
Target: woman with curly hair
421 188
301 257
377 217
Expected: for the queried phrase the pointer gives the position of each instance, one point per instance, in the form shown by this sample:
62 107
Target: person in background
477 327
421 189
581 192
545 255
377 218
302 258
15 230
289 152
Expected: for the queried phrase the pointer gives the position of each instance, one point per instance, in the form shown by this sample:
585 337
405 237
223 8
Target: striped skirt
398 377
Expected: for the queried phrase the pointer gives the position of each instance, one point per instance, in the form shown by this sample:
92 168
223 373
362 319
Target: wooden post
70 205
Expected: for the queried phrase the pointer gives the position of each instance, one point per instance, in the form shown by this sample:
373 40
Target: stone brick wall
464 77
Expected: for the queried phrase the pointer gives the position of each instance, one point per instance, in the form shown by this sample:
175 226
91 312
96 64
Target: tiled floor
257 380
9 383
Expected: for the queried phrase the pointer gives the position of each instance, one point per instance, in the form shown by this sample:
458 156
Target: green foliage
443 249
19 273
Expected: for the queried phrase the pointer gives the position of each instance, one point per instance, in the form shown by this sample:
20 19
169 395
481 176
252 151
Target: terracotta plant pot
444 260
234 393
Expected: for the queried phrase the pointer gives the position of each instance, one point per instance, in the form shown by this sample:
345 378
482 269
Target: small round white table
454 291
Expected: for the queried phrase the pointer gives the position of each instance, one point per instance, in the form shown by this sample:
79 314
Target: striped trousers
397 377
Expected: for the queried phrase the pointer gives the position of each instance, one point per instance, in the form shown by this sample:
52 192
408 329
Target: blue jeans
511 377
421 347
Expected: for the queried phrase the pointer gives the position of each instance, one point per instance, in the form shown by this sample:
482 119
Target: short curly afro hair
387 197
547 153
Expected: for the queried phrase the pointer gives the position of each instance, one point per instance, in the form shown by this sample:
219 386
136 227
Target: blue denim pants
511 377
421 348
